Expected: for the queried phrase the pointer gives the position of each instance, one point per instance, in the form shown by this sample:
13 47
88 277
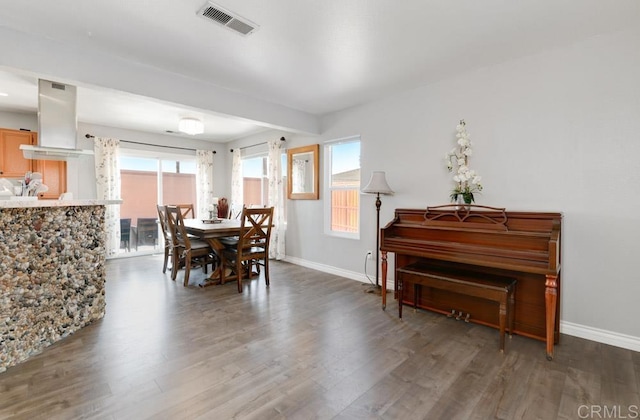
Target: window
255 180
178 181
342 188
255 185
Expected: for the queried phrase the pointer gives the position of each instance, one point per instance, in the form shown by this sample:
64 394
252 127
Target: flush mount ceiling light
191 126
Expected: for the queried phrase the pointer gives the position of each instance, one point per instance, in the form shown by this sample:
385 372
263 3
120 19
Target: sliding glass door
178 182
147 180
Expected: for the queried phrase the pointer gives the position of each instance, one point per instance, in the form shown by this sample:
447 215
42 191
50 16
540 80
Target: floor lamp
377 185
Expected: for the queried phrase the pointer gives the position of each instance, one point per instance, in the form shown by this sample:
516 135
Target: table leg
216 275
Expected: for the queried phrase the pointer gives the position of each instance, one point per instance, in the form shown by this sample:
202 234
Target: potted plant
467 181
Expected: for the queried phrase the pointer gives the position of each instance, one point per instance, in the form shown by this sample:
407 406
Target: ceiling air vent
227 19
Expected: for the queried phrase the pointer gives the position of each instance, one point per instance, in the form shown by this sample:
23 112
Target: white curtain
204 183
276 199
108 188
236 183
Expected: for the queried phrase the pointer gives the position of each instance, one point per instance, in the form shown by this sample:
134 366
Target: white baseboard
353 275
594 334
601 336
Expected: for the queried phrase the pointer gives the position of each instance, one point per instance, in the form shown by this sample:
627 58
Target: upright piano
486 240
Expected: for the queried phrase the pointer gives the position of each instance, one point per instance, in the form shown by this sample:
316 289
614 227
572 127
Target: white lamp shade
190 126
377 184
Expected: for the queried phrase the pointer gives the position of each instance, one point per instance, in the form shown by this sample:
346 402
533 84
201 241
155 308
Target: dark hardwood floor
313 345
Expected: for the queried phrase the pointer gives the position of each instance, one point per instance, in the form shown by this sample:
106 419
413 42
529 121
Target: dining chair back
146 231
186 210
125 233
188 252
235 215
166 234
252 247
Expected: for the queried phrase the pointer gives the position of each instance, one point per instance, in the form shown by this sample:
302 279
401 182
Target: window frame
328 188
158 158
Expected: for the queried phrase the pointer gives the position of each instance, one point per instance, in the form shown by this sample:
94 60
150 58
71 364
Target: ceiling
119 109
314 57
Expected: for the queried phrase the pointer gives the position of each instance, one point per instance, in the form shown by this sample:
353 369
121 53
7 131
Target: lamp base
372 288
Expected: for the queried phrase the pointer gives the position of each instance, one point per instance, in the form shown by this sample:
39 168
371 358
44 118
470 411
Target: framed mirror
302 173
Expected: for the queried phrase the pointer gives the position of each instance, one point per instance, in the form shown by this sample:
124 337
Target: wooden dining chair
188 252
186 210
168 240
252 247
125 233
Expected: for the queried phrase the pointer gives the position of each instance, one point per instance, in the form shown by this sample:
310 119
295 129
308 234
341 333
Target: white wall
81 172
558 131
18 120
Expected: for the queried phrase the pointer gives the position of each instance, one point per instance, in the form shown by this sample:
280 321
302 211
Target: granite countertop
16 204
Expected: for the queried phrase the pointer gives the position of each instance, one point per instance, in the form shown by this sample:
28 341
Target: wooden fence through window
344 210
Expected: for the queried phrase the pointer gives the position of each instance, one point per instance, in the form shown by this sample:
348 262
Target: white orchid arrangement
467 181
32 184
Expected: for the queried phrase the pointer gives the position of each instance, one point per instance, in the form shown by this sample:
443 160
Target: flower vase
460 204
468 199
463 202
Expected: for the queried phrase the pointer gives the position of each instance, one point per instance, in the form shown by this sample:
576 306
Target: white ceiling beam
47 57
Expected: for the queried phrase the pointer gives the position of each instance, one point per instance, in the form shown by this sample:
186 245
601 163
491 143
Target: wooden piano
486 240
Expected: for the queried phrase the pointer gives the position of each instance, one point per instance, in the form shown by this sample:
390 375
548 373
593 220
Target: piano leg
383 292
550 299
502 318
399 282
512 315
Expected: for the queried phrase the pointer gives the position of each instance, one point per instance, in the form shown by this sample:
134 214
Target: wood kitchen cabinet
54 176
14 165
12 161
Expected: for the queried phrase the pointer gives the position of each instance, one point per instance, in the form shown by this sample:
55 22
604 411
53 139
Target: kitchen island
52 272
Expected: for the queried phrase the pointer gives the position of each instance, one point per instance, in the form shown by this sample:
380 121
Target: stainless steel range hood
57 124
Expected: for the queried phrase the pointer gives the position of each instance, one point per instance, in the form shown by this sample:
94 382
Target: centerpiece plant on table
467 181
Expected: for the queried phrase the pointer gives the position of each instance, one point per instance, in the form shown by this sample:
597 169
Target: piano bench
476 284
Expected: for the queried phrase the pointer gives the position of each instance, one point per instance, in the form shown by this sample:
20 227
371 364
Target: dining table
212 231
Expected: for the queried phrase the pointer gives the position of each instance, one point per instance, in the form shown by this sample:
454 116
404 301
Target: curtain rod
91 136
257 144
